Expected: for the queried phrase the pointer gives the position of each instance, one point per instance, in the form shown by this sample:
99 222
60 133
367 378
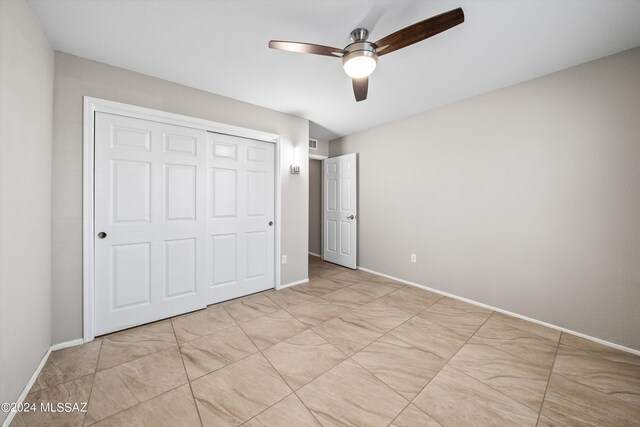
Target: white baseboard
315 254
27 387
288 285
66 344
34 376
509 313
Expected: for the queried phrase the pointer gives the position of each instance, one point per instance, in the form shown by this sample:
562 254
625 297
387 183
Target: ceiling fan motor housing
361 48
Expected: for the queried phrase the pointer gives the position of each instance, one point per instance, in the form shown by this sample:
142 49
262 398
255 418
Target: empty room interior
319 213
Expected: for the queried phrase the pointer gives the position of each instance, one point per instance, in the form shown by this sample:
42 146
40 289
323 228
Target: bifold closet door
240 216
150 221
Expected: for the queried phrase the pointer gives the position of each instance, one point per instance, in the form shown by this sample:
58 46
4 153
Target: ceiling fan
360 58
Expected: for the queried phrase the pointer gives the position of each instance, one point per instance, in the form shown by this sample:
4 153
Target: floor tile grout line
419 409
305 405
528 322
265 409
223 366
348 309
408 343
345 285
186 374
169 320
268 361
96 371
313 326
279 304
347 357
387 332
279 374
181 343
229 314
535 335
445 364
626 402
353 309
491 387
494 346
93 382
48 389
72 378
482 382
231 363
258 350
316 378
544 395
138 404
385 384
140 357
147 400
321 337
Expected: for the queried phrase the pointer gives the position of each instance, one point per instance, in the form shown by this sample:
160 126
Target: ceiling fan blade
360 88
419 31
315 49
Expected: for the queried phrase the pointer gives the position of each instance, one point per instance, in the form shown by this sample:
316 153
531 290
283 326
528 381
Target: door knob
270 223
102 235
351 217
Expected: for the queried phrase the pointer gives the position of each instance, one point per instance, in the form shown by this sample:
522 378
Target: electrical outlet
414 258
284 259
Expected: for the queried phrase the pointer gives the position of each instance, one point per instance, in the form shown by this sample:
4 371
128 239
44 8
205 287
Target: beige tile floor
348 348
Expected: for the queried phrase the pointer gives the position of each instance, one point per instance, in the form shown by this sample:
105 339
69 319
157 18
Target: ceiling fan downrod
359 35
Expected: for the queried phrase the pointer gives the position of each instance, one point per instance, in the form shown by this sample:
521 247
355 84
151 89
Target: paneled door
240 216
150 221
340 200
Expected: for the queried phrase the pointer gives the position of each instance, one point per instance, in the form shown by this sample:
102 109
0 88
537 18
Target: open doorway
315 207
318 151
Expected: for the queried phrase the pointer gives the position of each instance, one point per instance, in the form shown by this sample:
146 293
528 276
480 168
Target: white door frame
93 105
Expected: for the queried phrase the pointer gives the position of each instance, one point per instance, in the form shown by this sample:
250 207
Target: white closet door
240 216
340 210
150 203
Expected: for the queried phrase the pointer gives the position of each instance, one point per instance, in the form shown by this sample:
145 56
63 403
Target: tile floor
348 348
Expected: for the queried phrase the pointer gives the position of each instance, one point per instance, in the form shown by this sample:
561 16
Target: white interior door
150 221
340 209
240 216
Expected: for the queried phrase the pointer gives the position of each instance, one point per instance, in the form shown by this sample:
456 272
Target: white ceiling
221 47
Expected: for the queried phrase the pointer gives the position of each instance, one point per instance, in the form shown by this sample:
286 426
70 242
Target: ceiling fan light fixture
359 63
359 59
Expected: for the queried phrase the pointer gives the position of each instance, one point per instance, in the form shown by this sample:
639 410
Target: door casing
93 105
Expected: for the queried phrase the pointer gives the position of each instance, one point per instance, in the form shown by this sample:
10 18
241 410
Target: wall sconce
295 169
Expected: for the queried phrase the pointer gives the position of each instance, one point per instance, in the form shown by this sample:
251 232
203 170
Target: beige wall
323 147
26 91
76 77
526 198
315 206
